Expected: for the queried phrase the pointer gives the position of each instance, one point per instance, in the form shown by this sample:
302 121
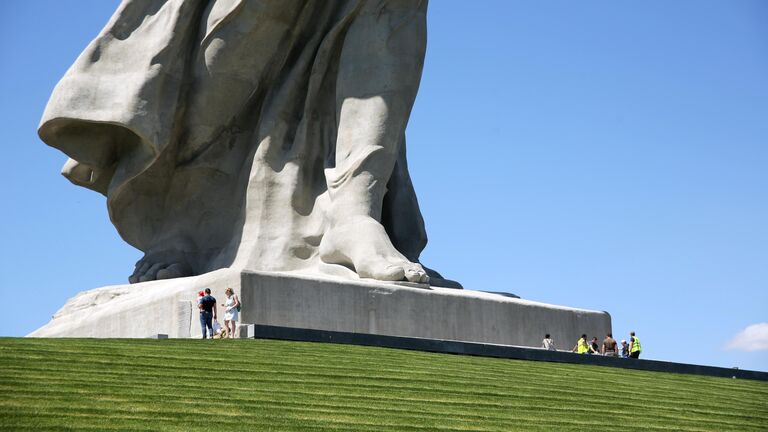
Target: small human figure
634 346
231 313
581 346
548 344
207 306
624 349
219 331
609 346
594 347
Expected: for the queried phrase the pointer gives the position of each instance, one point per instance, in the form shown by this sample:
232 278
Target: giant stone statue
260 145
257 135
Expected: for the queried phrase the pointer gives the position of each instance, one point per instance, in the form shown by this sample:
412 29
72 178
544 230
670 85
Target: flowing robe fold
211 125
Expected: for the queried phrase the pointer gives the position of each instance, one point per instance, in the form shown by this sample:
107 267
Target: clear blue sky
610 155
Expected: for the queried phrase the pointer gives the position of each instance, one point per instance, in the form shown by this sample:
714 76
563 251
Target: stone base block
412 310
139 310
323 303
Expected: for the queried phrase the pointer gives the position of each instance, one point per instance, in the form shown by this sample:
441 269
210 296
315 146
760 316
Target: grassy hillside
241 385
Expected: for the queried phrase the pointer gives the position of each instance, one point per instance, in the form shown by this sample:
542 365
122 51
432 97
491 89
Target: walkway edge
498 351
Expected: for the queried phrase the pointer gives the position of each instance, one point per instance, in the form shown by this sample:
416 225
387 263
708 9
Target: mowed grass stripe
376 374
491 391
50 421
532 420
289 385
543 402
440 370
394 400
339 420
103 381
239 419
343 407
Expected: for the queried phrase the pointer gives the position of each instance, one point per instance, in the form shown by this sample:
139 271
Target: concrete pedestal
139 310
291 300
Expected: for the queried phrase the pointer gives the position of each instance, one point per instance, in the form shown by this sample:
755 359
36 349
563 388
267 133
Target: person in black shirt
594 348
207 306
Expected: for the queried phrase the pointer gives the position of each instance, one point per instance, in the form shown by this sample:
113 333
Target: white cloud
752 338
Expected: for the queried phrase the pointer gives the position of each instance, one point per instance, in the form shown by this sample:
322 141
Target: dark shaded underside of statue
259 135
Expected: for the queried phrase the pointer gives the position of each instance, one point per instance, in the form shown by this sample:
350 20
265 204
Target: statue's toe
385 272
151 273
155 267
175 270
363 244
141 267
415 273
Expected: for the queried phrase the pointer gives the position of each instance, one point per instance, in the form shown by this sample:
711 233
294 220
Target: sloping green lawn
259 385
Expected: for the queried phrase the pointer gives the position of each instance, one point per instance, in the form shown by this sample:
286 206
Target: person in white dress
231 313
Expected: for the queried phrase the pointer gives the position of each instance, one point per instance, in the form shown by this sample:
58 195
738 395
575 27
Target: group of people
209 317
609 346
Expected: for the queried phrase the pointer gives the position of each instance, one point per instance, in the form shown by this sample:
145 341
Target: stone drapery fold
211 125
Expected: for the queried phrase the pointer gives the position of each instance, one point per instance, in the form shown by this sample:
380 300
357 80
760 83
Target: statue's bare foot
363 244
159 266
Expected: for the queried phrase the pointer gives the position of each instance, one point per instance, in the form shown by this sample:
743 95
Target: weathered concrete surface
414 310
139 310
335 304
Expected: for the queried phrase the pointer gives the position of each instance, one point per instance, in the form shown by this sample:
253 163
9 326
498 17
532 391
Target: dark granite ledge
499 351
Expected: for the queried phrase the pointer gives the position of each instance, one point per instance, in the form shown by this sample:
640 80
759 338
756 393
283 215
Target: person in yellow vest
634 346
582 347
